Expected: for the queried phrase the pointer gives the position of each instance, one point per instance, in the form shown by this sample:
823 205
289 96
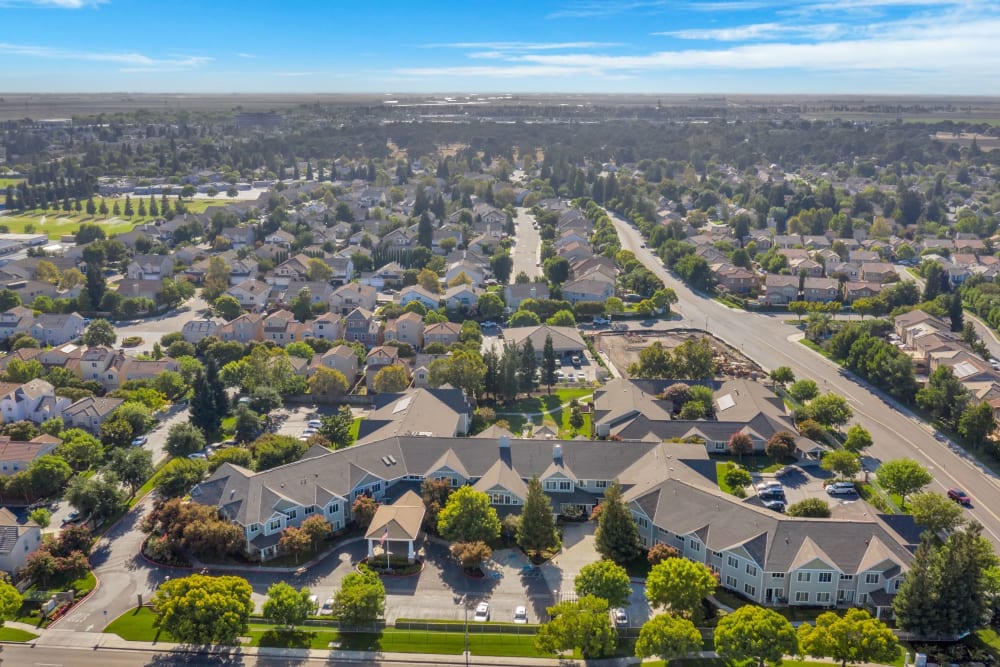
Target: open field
58 223
4 182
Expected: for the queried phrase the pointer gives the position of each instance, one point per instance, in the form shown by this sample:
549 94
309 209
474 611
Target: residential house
518 292
252 294
280 238
17 541
735 279
780 290
378 358
195 330
588 289
239 237
566 341
17 456
821 289
282 328
445 333
472 271
342 358
346 298
245 328
90 412
461 297
139 289
407 328
56 329
294 268
860 290
418 293
33 401
328 326
361 326
150 267
877 272
16 320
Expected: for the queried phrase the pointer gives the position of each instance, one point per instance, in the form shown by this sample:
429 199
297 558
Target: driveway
527 248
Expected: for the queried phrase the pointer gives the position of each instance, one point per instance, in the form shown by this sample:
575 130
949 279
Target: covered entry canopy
399 522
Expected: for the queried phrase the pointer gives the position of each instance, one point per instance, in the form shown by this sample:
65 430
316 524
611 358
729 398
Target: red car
960 497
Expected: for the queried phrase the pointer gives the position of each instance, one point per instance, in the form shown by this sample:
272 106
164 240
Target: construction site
621 350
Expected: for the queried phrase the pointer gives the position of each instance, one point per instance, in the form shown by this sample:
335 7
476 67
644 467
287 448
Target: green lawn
5 181
566 431
16 635
58 223
137 625
355 428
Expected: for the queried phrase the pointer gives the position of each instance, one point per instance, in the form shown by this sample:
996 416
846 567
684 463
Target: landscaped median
500 639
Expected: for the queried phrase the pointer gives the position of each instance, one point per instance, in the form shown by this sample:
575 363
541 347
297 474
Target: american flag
385 536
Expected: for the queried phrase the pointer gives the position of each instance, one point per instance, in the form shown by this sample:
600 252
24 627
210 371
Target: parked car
308 431
482 612
840 488
581 376
140 441
601 321
71 517
772 494
772 484
619 617
575 360
488 324
314 423
314 601
520 614
960 497
775 505
327 608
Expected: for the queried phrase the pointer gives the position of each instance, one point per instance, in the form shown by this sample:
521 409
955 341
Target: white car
482 612
770 485
314 601
520 615
840 488
309 431
314 423
327 608
620 618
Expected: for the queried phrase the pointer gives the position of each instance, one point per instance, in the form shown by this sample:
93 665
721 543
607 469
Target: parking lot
810 482
567 373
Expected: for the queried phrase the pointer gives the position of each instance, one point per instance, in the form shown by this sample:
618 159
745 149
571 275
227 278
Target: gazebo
396 523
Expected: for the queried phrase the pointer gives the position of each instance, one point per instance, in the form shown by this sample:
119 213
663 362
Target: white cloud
520 46
759 31
132 60
246 55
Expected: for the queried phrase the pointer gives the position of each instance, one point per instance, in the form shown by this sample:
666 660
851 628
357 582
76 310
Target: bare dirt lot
624 350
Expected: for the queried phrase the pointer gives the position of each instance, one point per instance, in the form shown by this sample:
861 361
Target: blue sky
644 46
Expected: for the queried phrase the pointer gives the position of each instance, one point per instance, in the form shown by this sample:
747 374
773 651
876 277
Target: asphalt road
896 432
528 246
153 329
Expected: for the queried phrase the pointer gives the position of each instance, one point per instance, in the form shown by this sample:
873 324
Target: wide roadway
896 432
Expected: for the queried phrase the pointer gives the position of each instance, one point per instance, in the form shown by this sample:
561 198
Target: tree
286 606
133 466
782 375
271 450
660 552
679 585
99 332
617 537
855 637
468 517
363 511
903 477
429 280
756 633
935 512
584 625
816 508
471 554
179 476
916 602
549 363
858 439
391 380
317 528
489 305
524 318
199 609
740 444
557 270
10 602
529 365
669 637
294 541
337 428
184 439
537 529
804 391
47 475
562 318
502 264
328 383
247 424
842 462
361 598
944 396
736 477
41 516
830 410
80 449
781 445
227 307
98 497
606 580
976 423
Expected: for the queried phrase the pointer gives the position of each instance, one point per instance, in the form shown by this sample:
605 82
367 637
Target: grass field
16 635
4 182
58 223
